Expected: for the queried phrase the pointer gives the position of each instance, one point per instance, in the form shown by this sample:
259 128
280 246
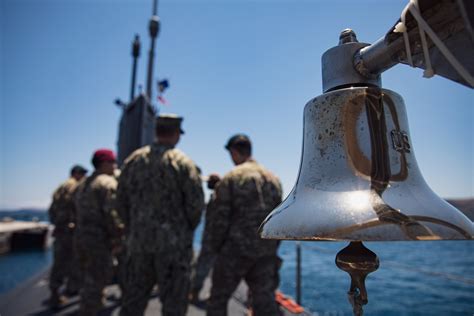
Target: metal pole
374 59
155 7
298 273
153 28
135 55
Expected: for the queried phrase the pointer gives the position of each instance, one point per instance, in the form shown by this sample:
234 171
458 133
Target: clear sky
234 66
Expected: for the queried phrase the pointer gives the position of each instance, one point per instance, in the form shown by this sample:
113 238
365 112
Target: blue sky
234 66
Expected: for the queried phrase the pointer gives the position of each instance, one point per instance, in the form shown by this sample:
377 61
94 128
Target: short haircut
78 170
243 148
165 131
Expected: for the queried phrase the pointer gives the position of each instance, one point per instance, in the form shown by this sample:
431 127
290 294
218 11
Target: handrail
298 272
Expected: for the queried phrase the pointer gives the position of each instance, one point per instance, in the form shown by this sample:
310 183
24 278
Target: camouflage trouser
170 270
97 268
201 269
63 260
122 270
76 274
261 276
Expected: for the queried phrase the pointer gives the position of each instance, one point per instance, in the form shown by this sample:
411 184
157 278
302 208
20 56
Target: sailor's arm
113 222
278 194
123 202
59 210
193 195
218 220
53 210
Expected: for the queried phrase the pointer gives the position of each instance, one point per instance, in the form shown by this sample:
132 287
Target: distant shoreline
464 205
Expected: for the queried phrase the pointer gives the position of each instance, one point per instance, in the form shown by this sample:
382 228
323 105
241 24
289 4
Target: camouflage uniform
62 213
121 254
244 198
160 196
98 231
207 255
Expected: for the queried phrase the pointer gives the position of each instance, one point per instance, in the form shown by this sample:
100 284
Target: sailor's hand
212 180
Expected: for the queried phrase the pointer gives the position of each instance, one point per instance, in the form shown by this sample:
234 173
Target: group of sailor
145 219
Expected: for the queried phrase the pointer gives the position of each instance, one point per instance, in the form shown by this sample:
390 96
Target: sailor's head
78 172
240 148
104 161
168 129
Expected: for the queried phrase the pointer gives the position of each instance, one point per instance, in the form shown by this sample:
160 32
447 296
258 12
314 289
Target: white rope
429 71
402 28
425 28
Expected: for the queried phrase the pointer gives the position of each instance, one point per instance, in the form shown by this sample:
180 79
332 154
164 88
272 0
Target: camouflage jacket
62 212
160 198
244 197
98 223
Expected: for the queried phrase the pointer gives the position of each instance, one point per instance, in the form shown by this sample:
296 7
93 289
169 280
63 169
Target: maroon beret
101 155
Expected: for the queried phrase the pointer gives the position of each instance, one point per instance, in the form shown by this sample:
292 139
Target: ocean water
19 266
414 278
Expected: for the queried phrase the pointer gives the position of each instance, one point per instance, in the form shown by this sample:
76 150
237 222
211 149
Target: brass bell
359 179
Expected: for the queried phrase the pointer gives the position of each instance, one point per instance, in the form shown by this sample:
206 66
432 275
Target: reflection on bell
358 177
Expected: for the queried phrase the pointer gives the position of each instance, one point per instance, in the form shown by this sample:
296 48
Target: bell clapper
358 261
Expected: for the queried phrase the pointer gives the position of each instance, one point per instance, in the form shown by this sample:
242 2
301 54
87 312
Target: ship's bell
358 177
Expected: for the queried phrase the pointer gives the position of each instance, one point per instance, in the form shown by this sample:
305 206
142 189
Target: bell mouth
359 215
359 179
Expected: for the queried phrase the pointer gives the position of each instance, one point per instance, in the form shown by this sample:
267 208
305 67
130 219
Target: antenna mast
153 28
135 55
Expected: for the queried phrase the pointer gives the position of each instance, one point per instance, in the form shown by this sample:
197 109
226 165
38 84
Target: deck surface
31 298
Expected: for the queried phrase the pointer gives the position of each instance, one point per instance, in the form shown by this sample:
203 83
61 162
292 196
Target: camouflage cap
169 120
238 139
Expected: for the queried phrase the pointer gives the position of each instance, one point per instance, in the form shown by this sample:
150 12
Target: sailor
62 215
244 197
207 254
161 198
98 229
